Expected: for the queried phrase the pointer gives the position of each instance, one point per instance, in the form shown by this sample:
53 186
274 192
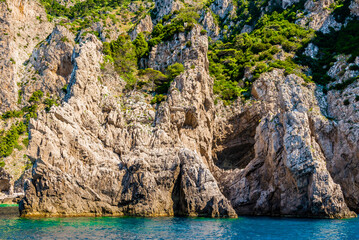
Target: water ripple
178 228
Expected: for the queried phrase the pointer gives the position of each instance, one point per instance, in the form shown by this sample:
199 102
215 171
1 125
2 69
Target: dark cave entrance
237 156
65 68
234 145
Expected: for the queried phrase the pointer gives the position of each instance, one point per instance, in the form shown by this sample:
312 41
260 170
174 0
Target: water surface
9 205
177 228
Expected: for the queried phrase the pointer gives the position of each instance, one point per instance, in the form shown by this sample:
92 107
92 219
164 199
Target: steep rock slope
22 25
289 149
114 169
22 22
288 174
339 137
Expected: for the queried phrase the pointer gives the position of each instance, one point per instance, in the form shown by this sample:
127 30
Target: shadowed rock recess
100 143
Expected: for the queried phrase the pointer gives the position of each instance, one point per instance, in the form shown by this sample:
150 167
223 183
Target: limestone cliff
288 165
23 24
101 146
109 168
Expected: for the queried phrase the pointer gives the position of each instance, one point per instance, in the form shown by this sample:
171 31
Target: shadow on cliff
234 144
177 197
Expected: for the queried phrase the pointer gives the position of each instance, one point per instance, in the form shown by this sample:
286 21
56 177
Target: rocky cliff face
163 8
287 157
5 180
339 138
145 25
150 171
222 8
288 150
23 24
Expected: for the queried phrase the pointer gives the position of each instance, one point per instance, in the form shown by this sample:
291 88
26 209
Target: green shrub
158 99
124 56
172 72
19 99
25 141
12 114
261 68
175 70
64 88
153 75
141 46
157 30
203 32
158 81
30 112
241 52
227 90
36 96
341 10
161 33
49 102
80 8
8 141
345 41
154 41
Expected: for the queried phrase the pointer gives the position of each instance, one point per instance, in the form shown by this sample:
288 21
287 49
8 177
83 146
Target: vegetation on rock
237 62
9 139
345 41
180 22
122 53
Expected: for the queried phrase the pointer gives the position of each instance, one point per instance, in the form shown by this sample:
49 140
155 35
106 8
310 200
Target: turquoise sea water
9 205
178 228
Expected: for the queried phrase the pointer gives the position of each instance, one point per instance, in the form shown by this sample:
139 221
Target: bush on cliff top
80 9
122 53
141 46
230 60
344 41
183 21
9 139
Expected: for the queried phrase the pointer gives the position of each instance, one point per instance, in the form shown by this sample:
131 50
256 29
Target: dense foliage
141 46
230 60
9 139
82 14
340 10
123 54
179 22
172 72
162 86
80 9
344 41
